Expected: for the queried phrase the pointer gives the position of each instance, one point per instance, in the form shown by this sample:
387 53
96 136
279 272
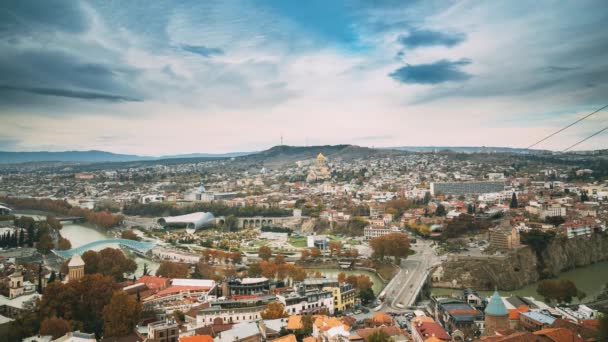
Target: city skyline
214 77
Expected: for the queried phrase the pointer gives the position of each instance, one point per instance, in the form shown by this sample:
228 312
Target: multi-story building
425 328
534 320
234 311
504 237
371 232
246 286
163 331
344 294
465 188
307 302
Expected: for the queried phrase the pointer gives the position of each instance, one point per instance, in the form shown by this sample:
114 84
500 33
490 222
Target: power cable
587 138
563 129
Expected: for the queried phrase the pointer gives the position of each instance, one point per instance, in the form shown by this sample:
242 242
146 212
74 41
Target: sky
169 77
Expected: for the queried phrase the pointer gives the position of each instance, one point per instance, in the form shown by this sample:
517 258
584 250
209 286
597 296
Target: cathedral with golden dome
319 171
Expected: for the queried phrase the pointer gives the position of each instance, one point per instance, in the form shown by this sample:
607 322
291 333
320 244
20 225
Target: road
404 287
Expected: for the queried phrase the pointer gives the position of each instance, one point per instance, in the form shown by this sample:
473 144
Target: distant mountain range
463 149
275 155
94 156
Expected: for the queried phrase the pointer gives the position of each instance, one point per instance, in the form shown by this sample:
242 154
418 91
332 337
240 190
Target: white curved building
190 221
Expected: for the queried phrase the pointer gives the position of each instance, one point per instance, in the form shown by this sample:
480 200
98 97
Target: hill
66 156
283 154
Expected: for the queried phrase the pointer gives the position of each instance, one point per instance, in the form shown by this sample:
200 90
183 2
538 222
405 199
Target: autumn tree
279 259
304 254
561 290
45 244
55 327
315 252
129 235
108 261
254 269
120 315
335 248
396 245
274 310
170 269
79 302
264 252
63 243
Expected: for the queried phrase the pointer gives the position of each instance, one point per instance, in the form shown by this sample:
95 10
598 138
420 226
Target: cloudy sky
165 77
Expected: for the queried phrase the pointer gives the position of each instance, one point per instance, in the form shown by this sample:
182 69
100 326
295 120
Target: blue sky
164 77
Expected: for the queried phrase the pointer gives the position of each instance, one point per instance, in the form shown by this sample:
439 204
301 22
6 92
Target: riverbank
81 234
590 279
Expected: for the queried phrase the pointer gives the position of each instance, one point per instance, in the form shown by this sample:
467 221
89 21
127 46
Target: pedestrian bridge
137 246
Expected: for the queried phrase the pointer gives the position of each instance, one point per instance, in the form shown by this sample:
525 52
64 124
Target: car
357 312
365 310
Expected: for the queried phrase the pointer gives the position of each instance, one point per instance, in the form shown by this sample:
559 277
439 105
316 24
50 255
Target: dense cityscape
303 171
397 245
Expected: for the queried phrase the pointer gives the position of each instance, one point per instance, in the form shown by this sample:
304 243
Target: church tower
76 267
16 284
497 315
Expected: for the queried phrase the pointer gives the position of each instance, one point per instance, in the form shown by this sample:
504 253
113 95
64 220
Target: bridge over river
137 246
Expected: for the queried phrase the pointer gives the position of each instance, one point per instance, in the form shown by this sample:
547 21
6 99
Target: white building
371 232
307 302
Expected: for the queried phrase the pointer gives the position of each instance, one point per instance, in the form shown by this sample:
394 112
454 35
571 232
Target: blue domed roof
496 307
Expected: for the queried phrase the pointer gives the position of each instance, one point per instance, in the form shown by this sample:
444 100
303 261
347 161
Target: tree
440 211
120 315
367 295
45 244
378 336
304 254
427 198
170 269
315 252
514 204
584 197
335 248
264 252
108 261
129 235
396 245
63 244
55 327
537 239
274 310
254 270
52 277
79 302
279 259
561 290
146 271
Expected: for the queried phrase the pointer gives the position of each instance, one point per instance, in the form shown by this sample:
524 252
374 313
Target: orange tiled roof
559 335
286 338
309 339
514 313
196 338
294 322
382 317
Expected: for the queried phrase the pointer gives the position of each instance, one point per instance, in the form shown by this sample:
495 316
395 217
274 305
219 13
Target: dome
76 261
496 307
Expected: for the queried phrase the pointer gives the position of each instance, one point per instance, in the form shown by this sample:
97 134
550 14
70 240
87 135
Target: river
590 279
80 235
